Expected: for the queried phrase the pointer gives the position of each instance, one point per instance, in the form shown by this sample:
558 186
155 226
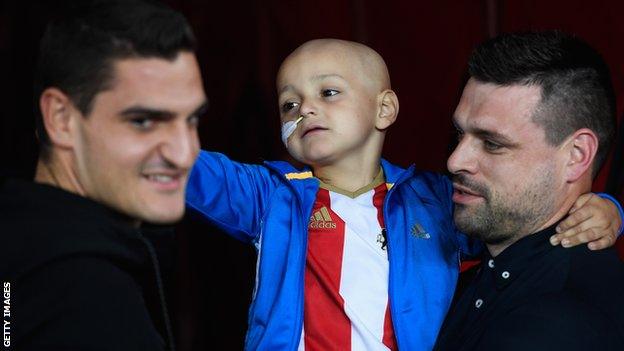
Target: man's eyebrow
492 135
483 133
201 110
147 112
158 113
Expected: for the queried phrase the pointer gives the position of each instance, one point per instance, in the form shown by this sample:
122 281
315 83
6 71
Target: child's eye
329 92
289 106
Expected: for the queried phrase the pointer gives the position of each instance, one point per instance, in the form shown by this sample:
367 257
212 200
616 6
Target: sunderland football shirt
346 277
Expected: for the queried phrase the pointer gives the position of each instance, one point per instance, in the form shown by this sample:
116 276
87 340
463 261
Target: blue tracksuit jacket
270 205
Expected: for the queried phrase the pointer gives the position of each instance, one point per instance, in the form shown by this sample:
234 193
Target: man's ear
57 111
582 148
388 109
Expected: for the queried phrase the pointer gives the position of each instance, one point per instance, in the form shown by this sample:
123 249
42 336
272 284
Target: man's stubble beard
504 218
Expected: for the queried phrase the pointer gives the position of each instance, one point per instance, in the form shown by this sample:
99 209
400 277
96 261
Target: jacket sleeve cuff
617 204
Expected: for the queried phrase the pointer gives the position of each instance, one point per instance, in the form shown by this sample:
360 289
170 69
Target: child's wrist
619 207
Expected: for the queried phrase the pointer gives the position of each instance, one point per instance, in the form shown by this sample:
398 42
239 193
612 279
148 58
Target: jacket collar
393 174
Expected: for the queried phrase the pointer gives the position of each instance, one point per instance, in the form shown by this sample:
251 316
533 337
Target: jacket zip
300 302
393 310
161 292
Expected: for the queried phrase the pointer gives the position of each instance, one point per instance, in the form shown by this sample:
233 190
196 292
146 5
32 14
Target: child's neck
347 177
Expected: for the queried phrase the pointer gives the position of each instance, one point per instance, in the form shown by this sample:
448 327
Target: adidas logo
321 219
419 232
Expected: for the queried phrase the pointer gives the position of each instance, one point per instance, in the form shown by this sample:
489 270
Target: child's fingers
582 237
571 223
603 243
581 201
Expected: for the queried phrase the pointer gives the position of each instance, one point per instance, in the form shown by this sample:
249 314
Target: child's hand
591 219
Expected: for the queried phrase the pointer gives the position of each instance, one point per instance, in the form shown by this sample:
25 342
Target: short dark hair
80 46
576 88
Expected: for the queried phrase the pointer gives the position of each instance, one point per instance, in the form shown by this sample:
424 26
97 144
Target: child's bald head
365 63
337 94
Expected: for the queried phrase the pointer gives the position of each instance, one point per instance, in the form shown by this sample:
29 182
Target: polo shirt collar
513 260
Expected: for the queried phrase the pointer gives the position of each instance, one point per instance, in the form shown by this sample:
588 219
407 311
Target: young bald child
354 253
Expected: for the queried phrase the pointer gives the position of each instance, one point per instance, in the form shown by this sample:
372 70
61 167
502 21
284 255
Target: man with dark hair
535 122
353 252
119 96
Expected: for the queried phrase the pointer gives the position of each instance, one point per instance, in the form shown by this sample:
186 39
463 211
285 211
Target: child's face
330 88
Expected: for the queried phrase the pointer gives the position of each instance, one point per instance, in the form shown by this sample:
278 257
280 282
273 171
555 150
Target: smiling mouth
166 182
161 178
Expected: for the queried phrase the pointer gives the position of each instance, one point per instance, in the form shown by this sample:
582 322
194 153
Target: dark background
425 44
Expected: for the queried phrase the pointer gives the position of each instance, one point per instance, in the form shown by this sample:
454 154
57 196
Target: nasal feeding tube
288 128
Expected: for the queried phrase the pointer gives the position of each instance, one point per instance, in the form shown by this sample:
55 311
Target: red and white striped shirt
346 278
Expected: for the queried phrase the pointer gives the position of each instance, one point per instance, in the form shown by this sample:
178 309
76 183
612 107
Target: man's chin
466 221
463 213
475 226
163 216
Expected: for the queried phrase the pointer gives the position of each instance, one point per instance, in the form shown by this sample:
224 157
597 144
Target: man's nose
181 146
464 158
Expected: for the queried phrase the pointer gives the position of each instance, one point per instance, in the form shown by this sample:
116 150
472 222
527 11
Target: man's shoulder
558 321
594 270
584 312
597 278
12 191
78 280
33 241
84 301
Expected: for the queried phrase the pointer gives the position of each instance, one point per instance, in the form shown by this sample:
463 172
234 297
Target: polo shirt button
505 275
478 303
491 263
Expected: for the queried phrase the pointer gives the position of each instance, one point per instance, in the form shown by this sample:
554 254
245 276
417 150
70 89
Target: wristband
619 207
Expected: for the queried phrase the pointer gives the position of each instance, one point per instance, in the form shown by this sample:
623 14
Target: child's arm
229 194
595 219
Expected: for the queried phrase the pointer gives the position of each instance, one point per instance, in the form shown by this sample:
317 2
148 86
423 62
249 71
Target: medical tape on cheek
288 128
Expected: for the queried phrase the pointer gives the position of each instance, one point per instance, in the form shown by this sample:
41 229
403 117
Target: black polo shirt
534 296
